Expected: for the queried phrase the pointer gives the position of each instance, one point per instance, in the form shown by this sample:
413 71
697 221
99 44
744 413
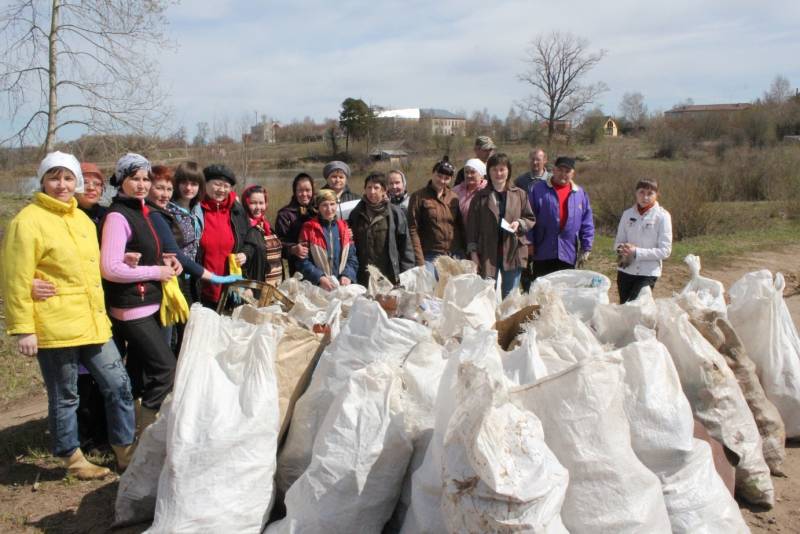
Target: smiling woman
53 240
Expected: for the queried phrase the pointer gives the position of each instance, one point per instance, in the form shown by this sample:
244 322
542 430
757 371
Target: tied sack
580 290
662 437
585 425
717 401
359 459
710 292
499 475
222 429
765 326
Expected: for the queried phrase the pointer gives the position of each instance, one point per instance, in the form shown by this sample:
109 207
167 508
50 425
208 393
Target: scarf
377 209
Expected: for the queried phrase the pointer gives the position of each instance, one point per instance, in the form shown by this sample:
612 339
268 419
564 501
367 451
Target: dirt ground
35 496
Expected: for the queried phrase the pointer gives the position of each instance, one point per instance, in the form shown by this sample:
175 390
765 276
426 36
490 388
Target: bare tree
84 63
779 91
557 63
633 109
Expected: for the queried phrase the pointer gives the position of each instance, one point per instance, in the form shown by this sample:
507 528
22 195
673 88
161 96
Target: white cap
476 164
60 159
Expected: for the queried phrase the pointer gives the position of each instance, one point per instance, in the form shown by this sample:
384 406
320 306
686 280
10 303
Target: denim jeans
60 372
510 280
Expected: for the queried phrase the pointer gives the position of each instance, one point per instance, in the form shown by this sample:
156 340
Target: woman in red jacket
226 226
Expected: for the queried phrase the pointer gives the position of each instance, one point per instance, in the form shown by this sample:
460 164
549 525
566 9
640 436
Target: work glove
583 258
174 308
220 279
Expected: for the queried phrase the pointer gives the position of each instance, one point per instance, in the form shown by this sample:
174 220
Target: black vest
144 241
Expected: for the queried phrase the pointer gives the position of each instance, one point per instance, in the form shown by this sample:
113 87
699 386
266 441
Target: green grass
715 249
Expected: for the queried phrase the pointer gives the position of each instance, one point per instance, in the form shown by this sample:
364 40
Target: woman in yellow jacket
51 239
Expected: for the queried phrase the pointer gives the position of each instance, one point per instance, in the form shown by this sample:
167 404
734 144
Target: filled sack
222 429
580 290
710 292
759 315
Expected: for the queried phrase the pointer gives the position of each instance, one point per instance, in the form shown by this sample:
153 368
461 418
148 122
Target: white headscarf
60 159
476 164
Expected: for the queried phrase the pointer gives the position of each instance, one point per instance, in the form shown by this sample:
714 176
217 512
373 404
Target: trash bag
615 323
710 292
562 338
718 331
580 290
759 315
222 429
424 513
359 459
138 485
368 335
662 437
717 401
468 300
585 425
446 268
418 280
499 475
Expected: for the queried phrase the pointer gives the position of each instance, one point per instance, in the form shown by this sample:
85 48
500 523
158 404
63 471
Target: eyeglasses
219 184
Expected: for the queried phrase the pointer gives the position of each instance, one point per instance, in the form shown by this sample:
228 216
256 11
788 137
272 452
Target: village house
442 122
704 110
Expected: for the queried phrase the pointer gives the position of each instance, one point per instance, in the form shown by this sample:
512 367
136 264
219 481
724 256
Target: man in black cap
564 231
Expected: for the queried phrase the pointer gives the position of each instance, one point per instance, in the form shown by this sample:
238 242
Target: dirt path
58 505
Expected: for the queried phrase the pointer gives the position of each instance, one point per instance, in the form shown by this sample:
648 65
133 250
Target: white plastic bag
468 300
765 326
222 429
138 485
710 292
424 514
580 290
716 400
499 475
581 410
662 429
359 459
615 323
368 336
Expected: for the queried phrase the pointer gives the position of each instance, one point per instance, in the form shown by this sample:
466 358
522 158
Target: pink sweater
116 233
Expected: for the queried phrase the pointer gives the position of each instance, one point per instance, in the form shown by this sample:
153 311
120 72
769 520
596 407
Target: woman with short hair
499 217
380 231
52 239
644 240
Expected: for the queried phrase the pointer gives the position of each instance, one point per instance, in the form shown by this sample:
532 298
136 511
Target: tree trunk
52 99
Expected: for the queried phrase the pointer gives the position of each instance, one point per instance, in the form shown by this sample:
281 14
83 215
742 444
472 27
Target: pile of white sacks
423 424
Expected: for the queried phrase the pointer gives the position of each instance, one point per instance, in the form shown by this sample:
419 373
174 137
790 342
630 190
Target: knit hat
127 166
219 171
336 166
60 159
476 164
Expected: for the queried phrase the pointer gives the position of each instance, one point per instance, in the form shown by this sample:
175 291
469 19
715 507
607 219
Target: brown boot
82 469
124 454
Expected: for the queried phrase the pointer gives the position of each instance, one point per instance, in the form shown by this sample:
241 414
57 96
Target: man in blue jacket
563 221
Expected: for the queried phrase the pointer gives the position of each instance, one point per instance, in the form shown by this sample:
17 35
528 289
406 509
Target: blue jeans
430 258
510 280
60 372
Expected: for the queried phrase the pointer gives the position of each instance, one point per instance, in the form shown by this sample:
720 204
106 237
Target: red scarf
262 223
643 210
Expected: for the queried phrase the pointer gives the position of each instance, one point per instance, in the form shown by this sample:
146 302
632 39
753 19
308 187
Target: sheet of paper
506 226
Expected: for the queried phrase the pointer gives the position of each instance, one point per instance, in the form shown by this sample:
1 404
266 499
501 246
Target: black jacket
401 251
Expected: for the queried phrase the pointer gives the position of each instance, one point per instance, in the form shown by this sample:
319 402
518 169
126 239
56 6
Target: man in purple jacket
563 221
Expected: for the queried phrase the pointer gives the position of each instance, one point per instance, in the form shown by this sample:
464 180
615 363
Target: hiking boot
82 469
124 454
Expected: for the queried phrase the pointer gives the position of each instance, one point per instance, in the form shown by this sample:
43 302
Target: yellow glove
233 267
174 308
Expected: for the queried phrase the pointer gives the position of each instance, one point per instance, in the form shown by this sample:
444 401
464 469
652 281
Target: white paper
505 225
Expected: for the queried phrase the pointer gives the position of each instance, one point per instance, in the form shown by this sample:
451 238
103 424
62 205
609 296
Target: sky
287 60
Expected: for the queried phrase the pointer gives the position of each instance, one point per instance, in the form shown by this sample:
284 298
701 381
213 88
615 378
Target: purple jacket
550 243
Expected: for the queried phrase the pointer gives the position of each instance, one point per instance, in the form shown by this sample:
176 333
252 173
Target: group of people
76 273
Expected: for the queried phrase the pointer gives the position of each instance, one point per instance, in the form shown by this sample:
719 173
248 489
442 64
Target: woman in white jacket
644 240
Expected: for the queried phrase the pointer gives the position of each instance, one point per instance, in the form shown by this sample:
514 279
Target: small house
610 127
